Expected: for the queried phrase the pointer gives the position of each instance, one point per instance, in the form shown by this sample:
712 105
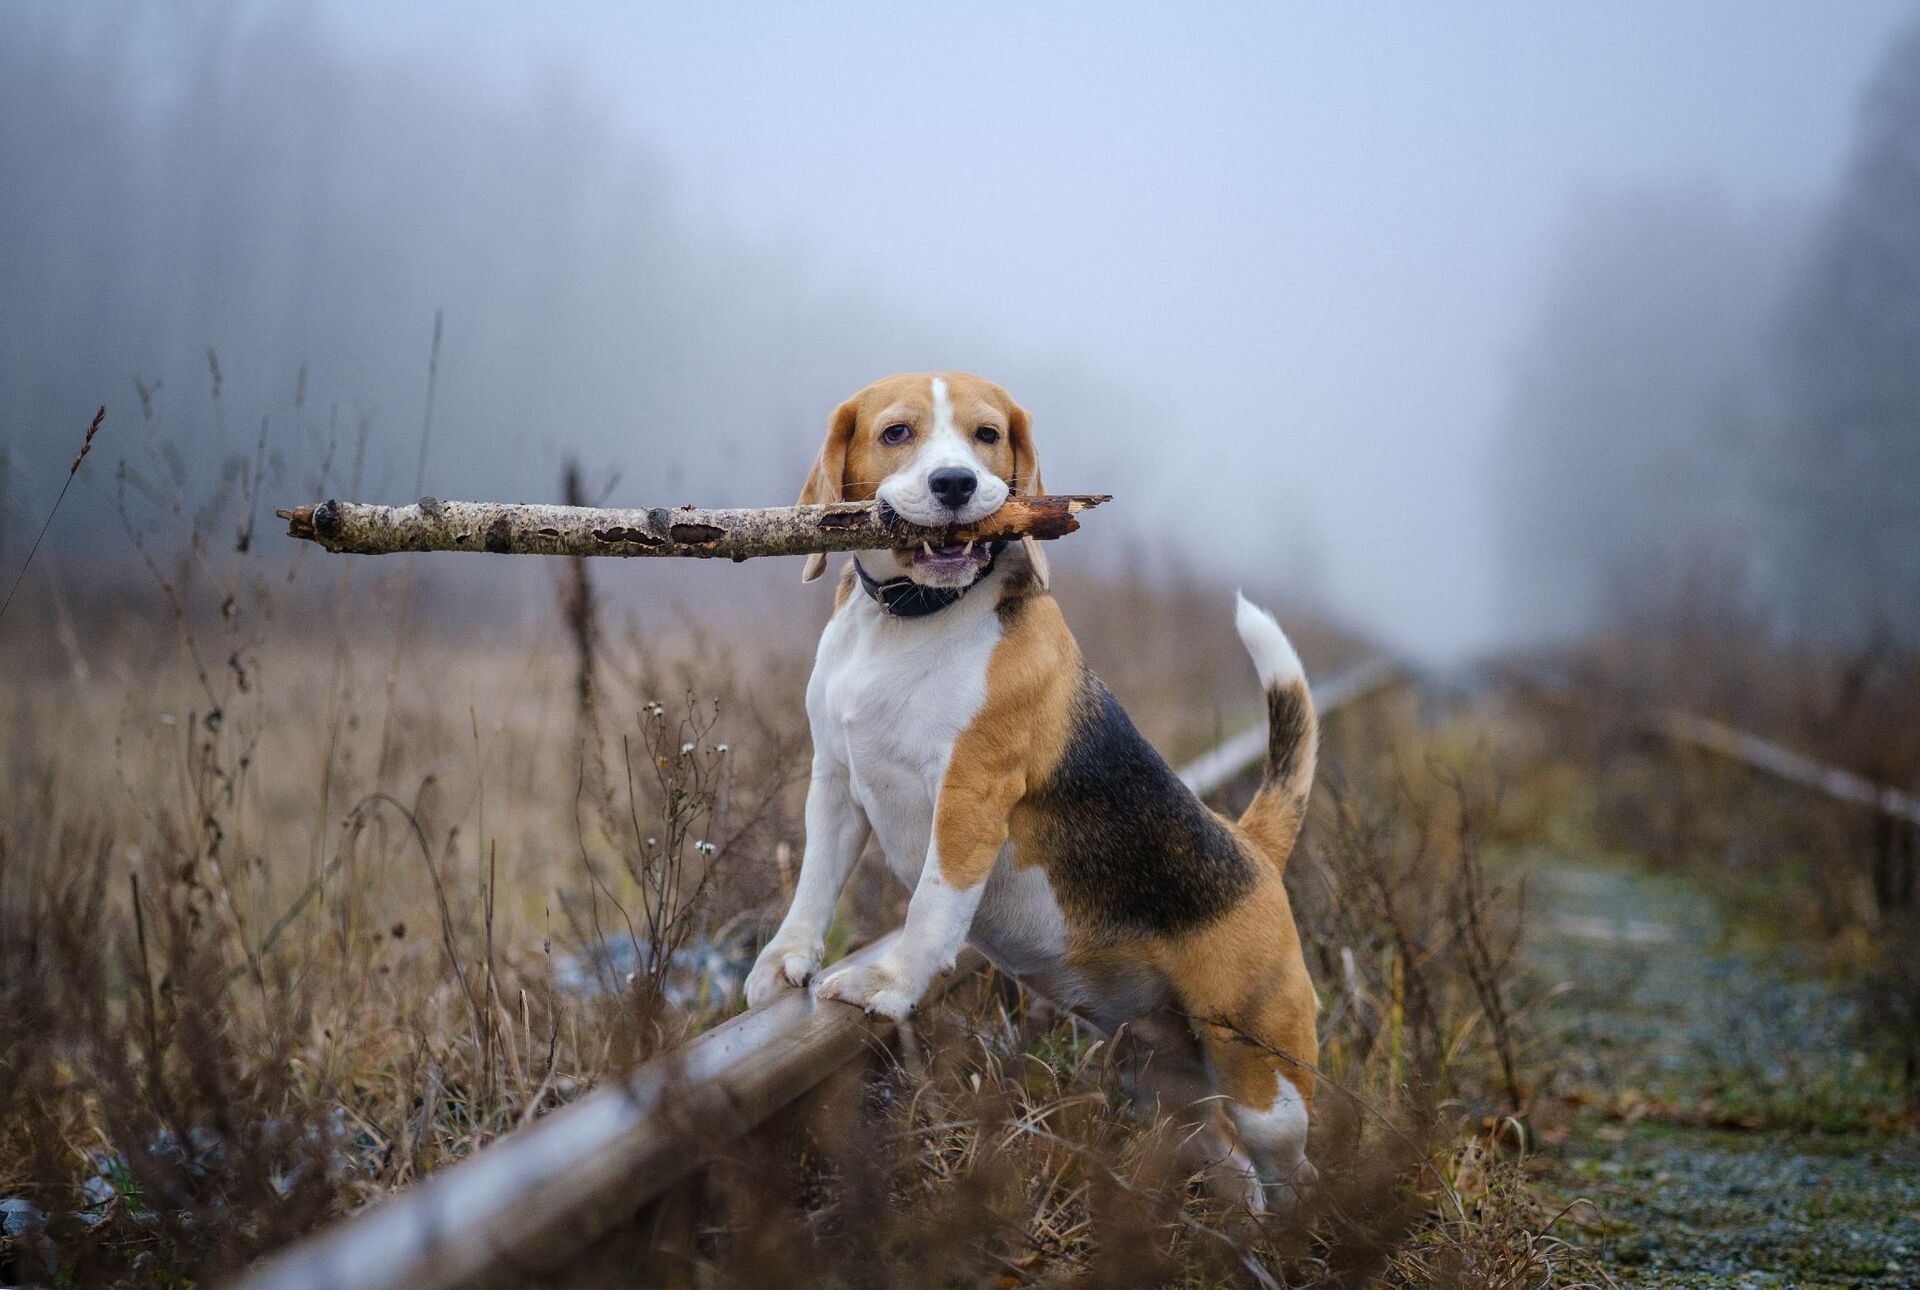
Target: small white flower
685 749
720 749
653 842
704 847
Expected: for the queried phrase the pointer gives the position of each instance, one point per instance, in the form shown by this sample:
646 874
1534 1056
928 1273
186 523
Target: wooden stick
508 528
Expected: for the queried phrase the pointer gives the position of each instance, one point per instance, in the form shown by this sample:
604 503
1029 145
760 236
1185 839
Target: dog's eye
896 434
987 434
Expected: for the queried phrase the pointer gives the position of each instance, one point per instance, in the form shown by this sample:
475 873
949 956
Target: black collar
902 597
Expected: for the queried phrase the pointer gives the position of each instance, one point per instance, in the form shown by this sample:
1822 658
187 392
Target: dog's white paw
878 988
782 966
1233 1180
1279 1198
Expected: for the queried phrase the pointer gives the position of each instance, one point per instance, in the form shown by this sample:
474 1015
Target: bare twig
400 618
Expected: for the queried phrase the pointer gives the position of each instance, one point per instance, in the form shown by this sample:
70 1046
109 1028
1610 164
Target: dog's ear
1026 482
827 481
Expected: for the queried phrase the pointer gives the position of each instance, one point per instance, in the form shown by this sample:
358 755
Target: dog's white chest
888 699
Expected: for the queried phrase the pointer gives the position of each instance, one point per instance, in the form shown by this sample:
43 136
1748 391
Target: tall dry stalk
86 446
581 609
404 611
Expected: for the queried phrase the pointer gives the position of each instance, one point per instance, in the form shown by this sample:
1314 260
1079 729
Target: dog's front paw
782 966
880 988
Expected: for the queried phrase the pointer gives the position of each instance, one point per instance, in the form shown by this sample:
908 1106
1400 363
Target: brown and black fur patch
1289 726
1244 978
1129 850
1154 885
1272 819
1015 738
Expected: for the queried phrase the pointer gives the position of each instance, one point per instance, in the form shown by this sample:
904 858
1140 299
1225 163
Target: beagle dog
954 720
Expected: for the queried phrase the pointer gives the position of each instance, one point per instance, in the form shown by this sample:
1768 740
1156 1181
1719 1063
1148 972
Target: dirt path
1725 1112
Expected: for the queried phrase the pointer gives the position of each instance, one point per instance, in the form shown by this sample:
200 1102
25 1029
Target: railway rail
1783 763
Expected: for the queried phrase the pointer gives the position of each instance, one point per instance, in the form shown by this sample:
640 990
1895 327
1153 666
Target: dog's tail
1274 816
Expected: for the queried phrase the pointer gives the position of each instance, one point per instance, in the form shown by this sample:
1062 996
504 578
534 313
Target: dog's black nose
952 486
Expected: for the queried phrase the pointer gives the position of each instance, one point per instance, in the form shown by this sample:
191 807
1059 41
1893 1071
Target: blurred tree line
1725 407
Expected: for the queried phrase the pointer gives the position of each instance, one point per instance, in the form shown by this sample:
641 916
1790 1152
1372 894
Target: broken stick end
299 521
314 523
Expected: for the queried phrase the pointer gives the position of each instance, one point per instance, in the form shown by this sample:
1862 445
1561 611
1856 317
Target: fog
1629 466
1717 411
1312 293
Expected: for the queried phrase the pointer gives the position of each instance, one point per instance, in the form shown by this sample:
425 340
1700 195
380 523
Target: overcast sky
1307 237
1317 227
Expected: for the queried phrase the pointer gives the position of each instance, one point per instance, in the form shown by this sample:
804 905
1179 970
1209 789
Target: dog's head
939 448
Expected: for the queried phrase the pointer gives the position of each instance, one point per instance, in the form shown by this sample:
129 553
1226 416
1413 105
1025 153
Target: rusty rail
1705 734
522 1204
1783 763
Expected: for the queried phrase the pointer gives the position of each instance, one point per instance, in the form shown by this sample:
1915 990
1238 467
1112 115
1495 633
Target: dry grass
285 895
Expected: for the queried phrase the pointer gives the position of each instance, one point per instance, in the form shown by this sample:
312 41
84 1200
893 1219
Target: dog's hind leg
1246 993
1170 1082
1273 1134
1263 1071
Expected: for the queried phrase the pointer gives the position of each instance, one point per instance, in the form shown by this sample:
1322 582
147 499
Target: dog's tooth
927 547
969 550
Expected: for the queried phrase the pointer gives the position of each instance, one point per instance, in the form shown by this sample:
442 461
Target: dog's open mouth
951 560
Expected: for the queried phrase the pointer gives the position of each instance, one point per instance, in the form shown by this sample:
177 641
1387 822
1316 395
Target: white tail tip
1273 654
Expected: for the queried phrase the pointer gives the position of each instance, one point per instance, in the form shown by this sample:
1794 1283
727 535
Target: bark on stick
509 528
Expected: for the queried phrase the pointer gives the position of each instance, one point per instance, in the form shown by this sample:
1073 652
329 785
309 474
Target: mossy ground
1721 1112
